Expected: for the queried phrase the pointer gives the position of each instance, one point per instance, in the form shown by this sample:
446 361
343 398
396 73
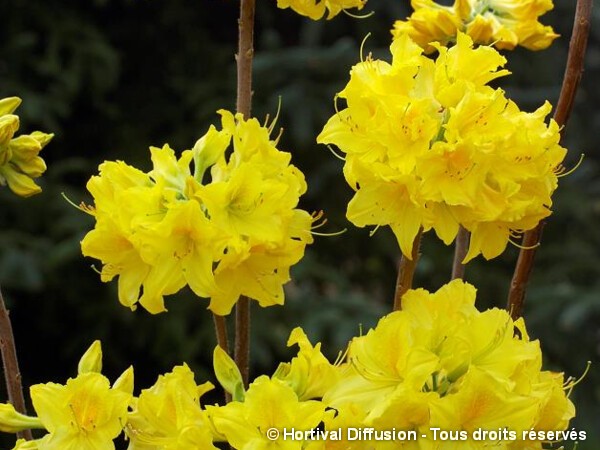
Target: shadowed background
112 77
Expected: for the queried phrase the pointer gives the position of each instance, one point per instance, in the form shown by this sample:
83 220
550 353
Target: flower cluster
238 234
19 160
429 145
315 9
437 363
440 363
502 23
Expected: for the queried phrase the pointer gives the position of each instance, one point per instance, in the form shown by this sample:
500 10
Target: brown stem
518 285
572 77
222 340
12 375
461 246
406 272
221 332
242 337
244 105
575 62
244 57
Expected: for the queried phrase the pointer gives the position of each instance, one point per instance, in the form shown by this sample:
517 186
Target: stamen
334 233
319 225
571 382
362 44
335 106
341 356
515 234
560 169
272 126
373 231
524 247
276 140
316 215
337 155
81 207
370 375
357 16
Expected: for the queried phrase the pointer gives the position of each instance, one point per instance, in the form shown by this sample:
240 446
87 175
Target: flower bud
91 361
228 374
12 421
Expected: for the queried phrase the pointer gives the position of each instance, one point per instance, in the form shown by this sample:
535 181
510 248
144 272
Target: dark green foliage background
112 77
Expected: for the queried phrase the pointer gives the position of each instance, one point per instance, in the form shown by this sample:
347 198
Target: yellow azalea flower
269 403
440 363
83 414
247 204
309 374
429 22
315 9
429 145
502 23
114 239
168 416
234 233
19 160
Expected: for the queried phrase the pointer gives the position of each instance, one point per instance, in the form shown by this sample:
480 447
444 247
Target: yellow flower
83 414
430 145
440 363
234 233
168 416
269 403
429 22
483 402
309 374
502 23
315 9
19 160
125 200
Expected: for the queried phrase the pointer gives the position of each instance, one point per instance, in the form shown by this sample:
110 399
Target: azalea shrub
428 143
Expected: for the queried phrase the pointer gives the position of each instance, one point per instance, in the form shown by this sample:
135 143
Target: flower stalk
461 247
222 340
221 332
12 375
244 105
242 337
244 57
573 72
406 272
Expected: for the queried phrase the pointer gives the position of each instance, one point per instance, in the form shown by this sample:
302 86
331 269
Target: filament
358 16
362 45
571 383
272 126
81 207
524 247
337 155
333 233
560 169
